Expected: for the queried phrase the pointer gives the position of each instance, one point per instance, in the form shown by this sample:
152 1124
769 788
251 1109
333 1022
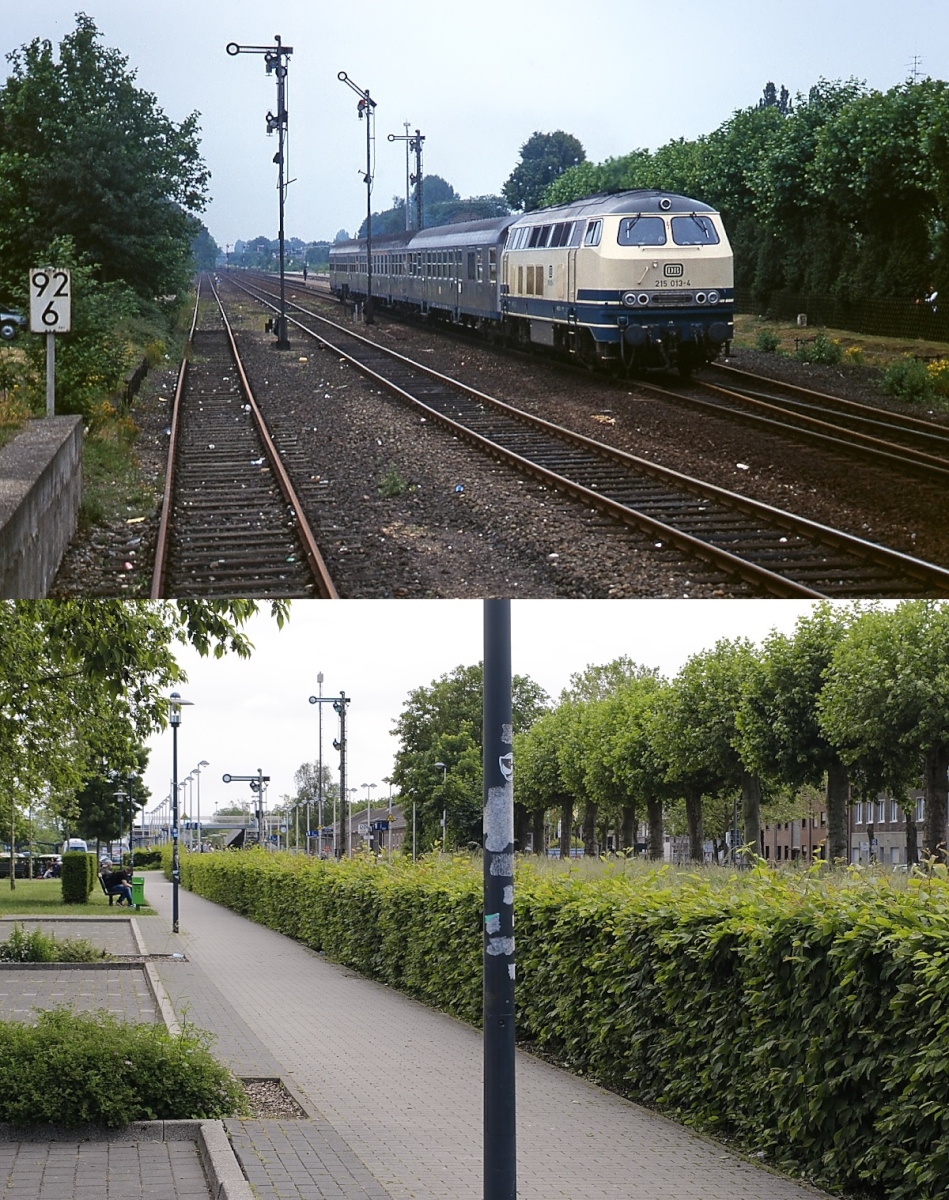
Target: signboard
50 300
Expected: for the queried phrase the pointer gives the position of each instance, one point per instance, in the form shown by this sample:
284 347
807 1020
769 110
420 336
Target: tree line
854 702
82 686
843 191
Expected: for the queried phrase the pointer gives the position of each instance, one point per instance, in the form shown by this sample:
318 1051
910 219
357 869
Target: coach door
572 276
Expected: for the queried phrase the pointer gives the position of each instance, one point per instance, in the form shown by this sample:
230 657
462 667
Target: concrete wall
40 490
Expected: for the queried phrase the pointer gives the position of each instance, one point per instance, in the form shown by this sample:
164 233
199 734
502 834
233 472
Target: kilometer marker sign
50 313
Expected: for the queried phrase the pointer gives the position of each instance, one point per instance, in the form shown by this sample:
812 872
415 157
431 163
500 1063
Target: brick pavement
99 1170
121 989
395 1088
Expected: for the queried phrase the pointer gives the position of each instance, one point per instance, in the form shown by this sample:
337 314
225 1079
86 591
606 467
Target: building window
858 813
881 811
921 809
894 812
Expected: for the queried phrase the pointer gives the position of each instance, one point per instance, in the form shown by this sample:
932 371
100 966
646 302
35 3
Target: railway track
773 551
231 523
909 444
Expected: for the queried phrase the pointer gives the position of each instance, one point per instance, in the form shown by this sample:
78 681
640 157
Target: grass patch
44 897
856 348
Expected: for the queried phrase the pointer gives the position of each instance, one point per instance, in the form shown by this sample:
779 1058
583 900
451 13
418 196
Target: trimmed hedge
803 1016
78 877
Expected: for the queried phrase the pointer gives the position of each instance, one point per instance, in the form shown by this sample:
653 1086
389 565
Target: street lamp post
197 774
444 770
368 787
175 705
365 108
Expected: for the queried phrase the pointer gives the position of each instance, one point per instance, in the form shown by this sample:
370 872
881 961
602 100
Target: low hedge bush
804 1016
37 946
92 1069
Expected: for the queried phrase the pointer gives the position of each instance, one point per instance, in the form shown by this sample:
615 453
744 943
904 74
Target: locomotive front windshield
642 231
694 230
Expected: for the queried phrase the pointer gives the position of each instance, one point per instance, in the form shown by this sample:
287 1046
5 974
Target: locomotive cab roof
641 200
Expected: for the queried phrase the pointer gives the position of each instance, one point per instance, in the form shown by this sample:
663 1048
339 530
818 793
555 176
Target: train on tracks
629 280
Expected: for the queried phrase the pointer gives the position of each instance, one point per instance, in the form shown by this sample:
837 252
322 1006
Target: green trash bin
138 891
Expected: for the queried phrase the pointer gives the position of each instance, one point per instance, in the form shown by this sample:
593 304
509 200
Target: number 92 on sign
50 300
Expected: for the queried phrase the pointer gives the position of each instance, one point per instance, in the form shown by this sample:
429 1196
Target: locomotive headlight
643 298
699 297
629 299
713 297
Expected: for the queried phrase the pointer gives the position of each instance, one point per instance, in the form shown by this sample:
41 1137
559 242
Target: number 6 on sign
50 300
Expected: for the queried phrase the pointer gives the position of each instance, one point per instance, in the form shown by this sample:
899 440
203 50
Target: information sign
50 300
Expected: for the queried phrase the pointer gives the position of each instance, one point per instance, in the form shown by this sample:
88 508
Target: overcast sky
256 713
477 79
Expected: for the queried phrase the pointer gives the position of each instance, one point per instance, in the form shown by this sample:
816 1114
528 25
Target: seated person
117 883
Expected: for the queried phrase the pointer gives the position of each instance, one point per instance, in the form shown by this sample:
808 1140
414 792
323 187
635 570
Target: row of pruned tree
855 701
843 191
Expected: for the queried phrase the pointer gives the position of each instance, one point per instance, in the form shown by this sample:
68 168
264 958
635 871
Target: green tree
442 723
885 705
781 732
539 783
544 157
82 682
86 154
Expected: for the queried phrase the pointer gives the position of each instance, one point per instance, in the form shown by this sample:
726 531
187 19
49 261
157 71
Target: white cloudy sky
477 79
256 713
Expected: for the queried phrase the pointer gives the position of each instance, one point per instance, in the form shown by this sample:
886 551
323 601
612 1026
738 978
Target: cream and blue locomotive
630 280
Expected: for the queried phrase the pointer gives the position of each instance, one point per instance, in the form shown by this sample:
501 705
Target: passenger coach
631 280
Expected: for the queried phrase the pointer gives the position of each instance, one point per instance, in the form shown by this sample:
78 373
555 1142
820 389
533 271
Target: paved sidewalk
394 1089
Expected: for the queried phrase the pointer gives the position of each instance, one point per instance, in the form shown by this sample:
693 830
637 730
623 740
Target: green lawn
44 897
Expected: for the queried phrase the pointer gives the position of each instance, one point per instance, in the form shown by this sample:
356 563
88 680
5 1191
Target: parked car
11 322
74 844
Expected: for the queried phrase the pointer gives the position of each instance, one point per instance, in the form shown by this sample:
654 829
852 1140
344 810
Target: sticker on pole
50 300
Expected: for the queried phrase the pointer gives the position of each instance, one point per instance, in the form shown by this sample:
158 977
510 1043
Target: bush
92 1069
821 349
38 946
79 877
909 379
767 341
146 858
803 1016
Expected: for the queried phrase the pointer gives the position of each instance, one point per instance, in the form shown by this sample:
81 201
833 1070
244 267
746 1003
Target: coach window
593 234
694 231
642 231
471 264
492 264
481 266
576 233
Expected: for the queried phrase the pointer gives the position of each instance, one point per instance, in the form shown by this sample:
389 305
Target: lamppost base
282 344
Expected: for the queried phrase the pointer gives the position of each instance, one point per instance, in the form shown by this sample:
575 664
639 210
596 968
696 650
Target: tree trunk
590 848
566 826
537 830
654 818
912 845
521 822
628 828
935 787
838 801
751 817
693 815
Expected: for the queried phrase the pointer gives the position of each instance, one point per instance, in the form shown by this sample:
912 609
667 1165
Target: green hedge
803 1016
78 877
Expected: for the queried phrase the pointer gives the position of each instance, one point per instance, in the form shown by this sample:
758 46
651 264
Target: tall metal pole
344 834
275 60
366 108
417 147
500 1163
319 779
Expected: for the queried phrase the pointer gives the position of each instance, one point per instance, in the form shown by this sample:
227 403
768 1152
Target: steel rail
928 574
311 552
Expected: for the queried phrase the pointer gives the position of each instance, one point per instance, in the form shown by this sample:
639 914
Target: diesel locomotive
629 280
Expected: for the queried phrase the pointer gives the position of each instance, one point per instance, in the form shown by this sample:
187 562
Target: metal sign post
50 313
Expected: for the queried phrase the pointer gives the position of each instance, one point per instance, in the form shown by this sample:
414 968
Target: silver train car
632 280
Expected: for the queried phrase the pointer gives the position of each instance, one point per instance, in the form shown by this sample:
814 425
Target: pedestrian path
394 1088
